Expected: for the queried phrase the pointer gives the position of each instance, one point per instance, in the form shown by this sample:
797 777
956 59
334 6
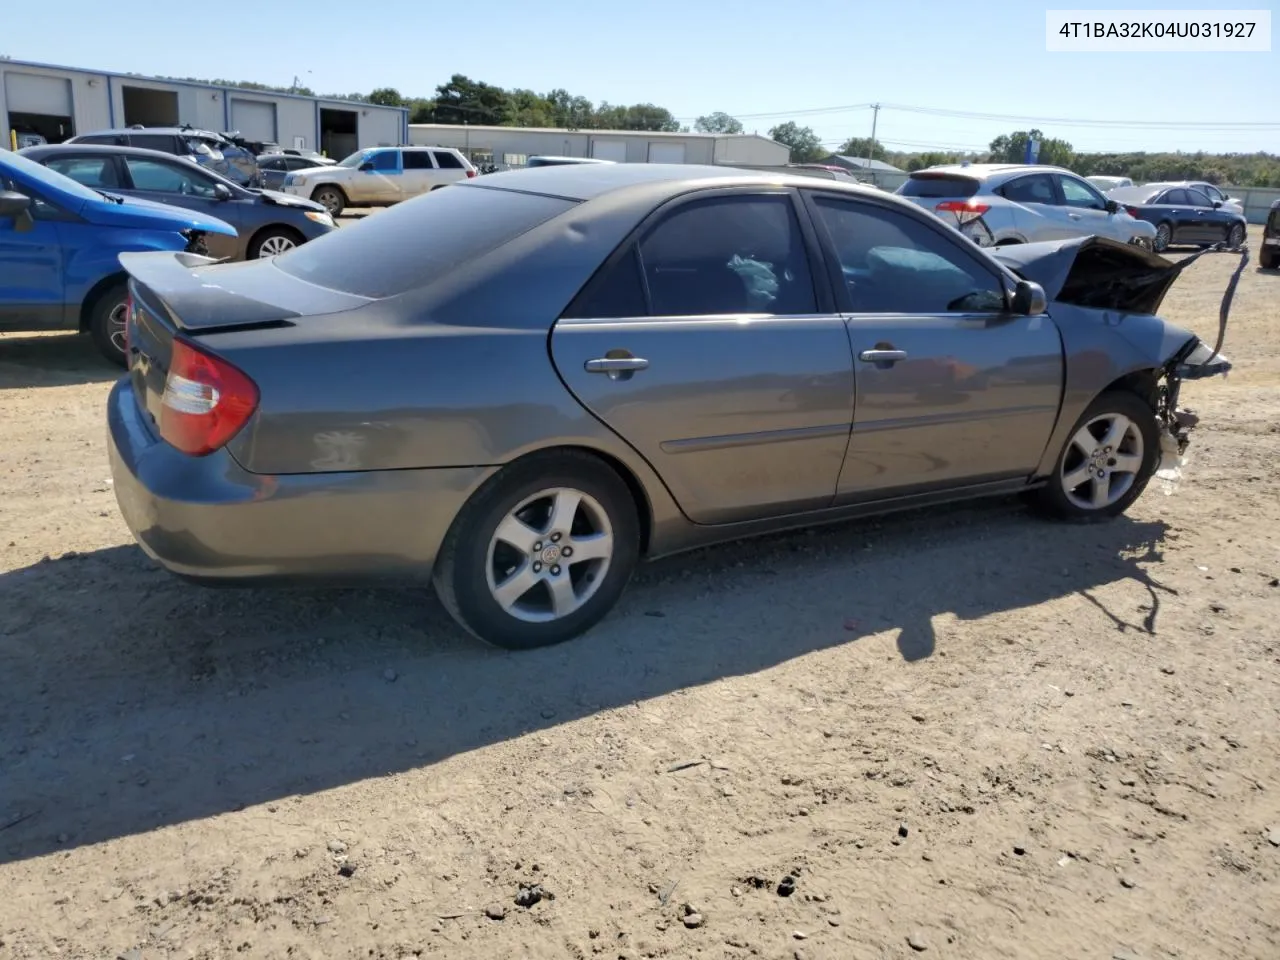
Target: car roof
1138 193
586 181
987 171
106 149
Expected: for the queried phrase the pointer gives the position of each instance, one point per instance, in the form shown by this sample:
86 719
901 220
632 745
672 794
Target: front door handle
1074 216
618 368
882 356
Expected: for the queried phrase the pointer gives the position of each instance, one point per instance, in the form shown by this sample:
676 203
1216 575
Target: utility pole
875 115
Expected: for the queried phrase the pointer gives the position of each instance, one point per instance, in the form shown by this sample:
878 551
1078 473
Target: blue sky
762 60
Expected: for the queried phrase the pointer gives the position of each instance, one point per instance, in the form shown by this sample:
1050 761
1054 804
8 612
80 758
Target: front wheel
273 241
1111 454
332 199
541 553
107 321
1164 237
1235 236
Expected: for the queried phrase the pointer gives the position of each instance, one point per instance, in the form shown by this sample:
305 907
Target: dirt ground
964 732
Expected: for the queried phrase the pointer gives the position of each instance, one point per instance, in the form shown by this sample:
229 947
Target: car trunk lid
928 189
191 296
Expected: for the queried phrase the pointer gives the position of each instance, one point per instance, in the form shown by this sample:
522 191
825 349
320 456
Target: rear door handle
1074 216
882 356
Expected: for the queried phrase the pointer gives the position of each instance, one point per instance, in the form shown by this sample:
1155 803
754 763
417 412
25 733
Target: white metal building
60 102
512 146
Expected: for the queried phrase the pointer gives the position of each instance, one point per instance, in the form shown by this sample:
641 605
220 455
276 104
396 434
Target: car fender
88 264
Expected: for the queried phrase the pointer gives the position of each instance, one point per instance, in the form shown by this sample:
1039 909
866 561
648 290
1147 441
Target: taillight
964 210
470 174
1132 211
206 401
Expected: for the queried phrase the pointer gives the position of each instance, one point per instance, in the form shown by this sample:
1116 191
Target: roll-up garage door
254 120
615 150
666 153
34 93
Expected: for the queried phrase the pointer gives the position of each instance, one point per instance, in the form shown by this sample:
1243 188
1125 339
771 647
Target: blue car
59 251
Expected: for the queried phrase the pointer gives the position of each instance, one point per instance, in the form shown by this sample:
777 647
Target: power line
1012 118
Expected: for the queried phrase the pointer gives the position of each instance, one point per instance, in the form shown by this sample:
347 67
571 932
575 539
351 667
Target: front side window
892 264
1077 193
1212 192
385 161
96 172
271 163
1198 199
162 177
729 255
40 209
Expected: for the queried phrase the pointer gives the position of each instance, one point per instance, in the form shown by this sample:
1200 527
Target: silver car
994 204
520 386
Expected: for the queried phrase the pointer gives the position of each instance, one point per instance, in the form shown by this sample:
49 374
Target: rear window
935 186
416 242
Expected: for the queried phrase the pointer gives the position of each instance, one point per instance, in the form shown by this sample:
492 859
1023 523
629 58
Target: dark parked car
59 250
268 223
521 385
1182 215
274 167
205 147
1269 255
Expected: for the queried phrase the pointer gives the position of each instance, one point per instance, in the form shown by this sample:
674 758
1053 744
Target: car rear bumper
208 519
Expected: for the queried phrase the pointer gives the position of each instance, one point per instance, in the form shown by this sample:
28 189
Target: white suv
379 176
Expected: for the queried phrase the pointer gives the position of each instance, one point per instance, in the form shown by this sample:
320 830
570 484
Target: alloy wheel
1102 461
1163 236
549 555
1236 236
116 320
275 245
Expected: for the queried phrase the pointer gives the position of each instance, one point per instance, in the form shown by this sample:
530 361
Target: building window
515 159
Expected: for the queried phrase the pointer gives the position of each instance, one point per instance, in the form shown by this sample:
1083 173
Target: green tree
1012 148
463 100
718 122
864 148
802 141
387 97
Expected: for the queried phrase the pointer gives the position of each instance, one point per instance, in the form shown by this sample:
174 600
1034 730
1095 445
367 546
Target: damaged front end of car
1123 285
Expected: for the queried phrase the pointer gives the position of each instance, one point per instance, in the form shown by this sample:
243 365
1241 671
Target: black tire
1267 259
104 324
1055 500
1164 237
266 238
336 202
461 572
1235 236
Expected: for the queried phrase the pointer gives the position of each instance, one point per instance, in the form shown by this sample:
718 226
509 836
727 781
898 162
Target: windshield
39 175
355 159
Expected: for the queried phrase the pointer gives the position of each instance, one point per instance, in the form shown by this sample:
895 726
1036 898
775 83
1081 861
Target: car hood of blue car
150 215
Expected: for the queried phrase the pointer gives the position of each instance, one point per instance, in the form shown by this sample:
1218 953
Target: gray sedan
522 385
268 223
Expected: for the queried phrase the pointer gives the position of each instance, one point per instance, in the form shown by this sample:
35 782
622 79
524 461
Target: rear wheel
1164 237
541 552
107 323
332 198
273 241
1110 455
1267 259
1235 236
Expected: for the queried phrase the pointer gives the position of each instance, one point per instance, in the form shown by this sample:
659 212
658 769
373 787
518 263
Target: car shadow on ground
135 701
52 360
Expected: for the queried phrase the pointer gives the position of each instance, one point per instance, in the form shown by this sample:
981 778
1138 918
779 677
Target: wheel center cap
551 554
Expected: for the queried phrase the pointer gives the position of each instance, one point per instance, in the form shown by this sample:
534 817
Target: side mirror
1217 204
1113 206
221 191
16 206
1029 299
367 166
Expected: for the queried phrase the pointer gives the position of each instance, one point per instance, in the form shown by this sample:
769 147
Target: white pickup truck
379 176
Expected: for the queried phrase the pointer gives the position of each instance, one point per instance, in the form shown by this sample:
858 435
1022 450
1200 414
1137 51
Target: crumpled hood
1093 272
287 200
150 215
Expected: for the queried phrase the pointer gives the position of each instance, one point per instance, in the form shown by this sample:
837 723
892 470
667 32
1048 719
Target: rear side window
1034 189
414 243
108 139
271 163
934 186
416 160
446 161
613 293
152 141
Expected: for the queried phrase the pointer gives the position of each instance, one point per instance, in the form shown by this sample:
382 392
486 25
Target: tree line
464 100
